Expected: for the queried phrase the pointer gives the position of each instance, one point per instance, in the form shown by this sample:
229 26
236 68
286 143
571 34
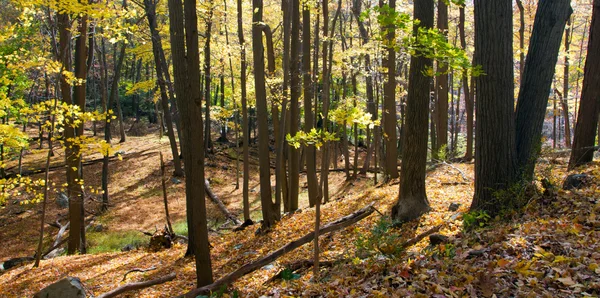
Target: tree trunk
469 104
246 138
187 75
412 201
550 20
150 7
389 102
441 111
207 78
294 161
495 133
585 130
311 157
270 211
565 99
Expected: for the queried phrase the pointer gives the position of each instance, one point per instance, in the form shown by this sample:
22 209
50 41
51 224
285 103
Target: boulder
69 287
575 181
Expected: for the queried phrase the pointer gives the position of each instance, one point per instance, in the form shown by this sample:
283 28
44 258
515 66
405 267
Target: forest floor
547 249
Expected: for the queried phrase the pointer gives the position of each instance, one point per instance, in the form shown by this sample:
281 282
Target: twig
137 286
138 270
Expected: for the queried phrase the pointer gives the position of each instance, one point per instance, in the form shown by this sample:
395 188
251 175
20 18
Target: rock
436 239
128 247
175 180
14 262
453 207
120 152
62 200
98 228
69 287
575 181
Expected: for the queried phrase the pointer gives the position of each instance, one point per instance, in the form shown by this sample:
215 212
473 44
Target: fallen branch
137 286
421 236
338 224
220 204
138 270
302 265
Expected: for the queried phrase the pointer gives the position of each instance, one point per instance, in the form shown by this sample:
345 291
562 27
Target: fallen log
138 286
338 224
220 204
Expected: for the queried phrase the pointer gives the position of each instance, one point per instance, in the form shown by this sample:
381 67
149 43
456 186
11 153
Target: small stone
436 239
453 207
175 180
62 200
69 287
98 228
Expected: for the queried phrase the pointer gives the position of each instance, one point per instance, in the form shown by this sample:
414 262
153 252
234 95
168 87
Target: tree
585 129
441 82
295 87
246 130
311 157
469 104
389 100
412 201
536 81
494 131
270 210
186 70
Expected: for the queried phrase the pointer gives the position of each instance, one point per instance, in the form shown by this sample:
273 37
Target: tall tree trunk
412 201
585 130
565 98
295 88
469 104
544 46
270 211
189 98
311 157
161 73
441 111
246 140
521 38
494 132
389 102
207 78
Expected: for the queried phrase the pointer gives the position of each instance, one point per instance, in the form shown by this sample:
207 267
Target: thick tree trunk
585 130
536 82
412 201
494 132
187 75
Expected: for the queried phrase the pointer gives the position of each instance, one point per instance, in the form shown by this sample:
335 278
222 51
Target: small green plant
288 274
475 219
381 239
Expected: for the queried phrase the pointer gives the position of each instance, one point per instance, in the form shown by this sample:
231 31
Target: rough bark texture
311 156
585 130
295 88
412 201
550 20
494 132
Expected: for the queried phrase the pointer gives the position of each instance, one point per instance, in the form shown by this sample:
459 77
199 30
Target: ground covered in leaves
547 249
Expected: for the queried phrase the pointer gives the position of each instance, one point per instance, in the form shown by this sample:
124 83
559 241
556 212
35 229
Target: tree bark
441 81
187 75
295 89
270 210
494 133
585 130
549 24
389 102
412 201
246 138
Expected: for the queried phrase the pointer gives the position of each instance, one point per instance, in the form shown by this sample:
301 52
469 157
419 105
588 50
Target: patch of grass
114 241
180 228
